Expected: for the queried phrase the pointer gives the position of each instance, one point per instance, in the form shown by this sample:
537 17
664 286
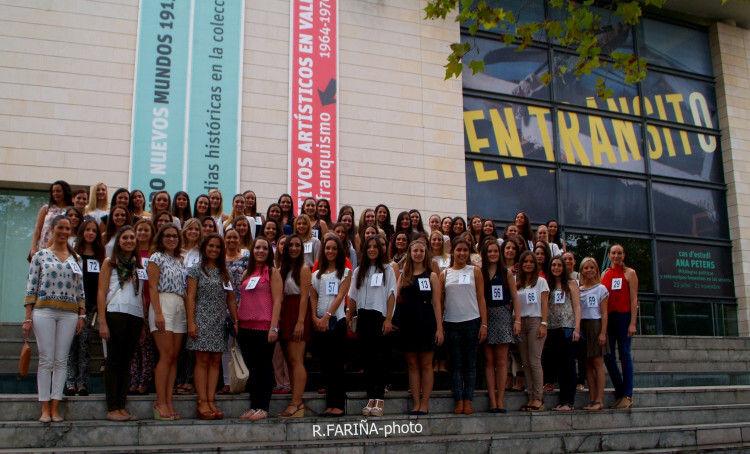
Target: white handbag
238 373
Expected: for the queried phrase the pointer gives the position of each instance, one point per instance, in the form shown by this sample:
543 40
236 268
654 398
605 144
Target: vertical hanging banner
159 96
187 98
215 97
313 101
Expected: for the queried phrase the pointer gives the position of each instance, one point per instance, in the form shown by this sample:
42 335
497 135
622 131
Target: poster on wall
187 96
313 102
692 270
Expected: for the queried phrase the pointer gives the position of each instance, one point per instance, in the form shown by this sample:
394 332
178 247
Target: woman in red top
261 294
622 284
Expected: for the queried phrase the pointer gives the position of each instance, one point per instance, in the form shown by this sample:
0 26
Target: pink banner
313 102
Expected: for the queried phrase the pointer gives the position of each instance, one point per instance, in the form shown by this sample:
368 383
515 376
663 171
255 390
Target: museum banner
187 96
313 101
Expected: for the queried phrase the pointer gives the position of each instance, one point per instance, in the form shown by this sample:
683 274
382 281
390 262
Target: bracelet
544 324
275 330
82 316
517 322
28 320
484 326
329 314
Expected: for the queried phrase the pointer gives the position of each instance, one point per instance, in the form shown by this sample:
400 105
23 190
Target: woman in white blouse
465 321
330 284
373 295
533 294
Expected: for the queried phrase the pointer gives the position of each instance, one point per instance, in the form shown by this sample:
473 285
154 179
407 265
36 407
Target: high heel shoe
204 415
367 410
218 414
159 416
377 410
297 412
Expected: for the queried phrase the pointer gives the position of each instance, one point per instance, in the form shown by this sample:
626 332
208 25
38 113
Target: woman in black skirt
420 322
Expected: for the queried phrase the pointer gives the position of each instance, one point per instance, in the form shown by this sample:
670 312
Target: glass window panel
679 99
524 11
506 70
693 270
499 191
728 325
18 210
675 46
637 254
603 202
582 90
684 154
595 141
614 34
685 210
498 128
647 317
680 318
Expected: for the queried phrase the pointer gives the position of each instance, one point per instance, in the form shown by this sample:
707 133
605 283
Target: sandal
224 390
594 406
258 415
459 410
624 403
293 411
563 407
248 414
377 410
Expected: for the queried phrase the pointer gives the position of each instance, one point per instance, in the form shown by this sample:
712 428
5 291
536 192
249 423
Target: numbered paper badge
308 248
559 297
497 293
464 278
245 252
75 268
193 261
591 301
228 286
258 220
617 283
142 274
376 280
252 283
316 233
92 265
531 297
144 262
424 284
332 287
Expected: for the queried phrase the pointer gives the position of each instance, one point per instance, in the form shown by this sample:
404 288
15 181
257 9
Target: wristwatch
544 323
275 330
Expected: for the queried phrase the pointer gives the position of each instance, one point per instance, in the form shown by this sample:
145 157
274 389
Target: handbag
95 317
238 373
24 360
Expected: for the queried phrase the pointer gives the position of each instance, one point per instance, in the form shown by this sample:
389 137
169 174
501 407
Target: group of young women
304 280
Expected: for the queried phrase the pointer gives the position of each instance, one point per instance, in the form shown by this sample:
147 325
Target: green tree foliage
581 30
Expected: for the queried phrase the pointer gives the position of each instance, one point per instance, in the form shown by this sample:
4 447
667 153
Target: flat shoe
57 419
535 408
70 392
594 406
45 419
417 413
83 392
118 418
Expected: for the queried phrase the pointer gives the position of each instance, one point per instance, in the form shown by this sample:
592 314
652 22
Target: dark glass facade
642 168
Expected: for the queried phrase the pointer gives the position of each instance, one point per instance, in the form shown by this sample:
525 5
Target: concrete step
527 425
24 407
659 439
642 342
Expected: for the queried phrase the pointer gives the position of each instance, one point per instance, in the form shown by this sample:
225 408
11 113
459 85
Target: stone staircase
676 419
692 395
